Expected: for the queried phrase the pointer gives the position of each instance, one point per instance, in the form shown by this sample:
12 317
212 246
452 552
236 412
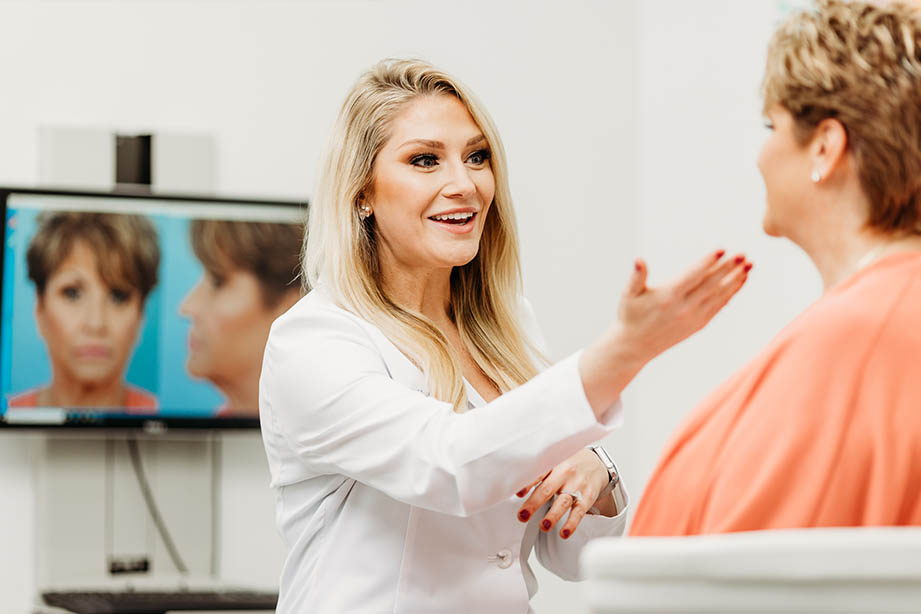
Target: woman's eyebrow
426 142
439 145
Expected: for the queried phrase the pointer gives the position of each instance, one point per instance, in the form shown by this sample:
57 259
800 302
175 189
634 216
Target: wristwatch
608 462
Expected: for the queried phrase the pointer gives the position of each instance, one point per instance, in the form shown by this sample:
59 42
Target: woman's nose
95 316
188 306
459 183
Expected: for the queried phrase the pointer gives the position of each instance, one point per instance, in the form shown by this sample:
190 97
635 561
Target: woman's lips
456 226
94 351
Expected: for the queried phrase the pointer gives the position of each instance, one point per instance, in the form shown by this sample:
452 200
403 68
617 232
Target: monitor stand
93 526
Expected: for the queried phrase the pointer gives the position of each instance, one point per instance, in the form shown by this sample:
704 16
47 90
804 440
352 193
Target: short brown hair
125 246
268 250
860 63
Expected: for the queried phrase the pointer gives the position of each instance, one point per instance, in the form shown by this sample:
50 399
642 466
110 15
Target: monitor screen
131 310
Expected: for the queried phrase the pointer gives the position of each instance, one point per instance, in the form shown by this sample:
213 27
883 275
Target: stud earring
364 212
816 177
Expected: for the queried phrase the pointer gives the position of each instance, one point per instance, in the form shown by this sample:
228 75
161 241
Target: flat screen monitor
138 310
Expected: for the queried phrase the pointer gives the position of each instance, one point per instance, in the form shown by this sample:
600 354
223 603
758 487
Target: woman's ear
828 147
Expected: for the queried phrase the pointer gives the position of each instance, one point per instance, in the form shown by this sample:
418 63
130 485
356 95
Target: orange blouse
135 399
822 428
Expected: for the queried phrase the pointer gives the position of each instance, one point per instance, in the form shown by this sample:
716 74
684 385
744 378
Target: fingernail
566 533
636 265
521 492
523 515
739 259
545 525
748 267
720 254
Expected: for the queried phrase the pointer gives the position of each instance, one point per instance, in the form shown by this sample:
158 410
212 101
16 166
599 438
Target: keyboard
159 601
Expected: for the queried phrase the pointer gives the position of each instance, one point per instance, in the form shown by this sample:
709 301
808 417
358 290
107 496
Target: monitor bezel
152 424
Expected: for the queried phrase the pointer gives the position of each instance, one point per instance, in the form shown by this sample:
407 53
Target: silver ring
575 494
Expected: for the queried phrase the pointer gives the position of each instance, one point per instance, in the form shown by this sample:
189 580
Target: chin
461 257
770 227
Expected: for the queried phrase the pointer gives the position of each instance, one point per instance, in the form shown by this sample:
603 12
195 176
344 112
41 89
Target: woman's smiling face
432 186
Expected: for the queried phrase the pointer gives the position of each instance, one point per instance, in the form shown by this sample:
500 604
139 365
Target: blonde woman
823 427
404 401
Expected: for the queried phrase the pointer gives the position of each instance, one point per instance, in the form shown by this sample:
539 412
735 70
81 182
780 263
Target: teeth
452 216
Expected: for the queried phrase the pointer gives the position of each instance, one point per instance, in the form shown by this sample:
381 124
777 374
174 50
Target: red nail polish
566 533
523 515
739 259
748 267
521 493
545 525
636 265
720 254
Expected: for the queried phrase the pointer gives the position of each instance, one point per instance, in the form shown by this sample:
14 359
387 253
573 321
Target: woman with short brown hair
92 273
823 427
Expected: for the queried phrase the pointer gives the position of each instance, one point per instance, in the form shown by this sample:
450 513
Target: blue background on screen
158 362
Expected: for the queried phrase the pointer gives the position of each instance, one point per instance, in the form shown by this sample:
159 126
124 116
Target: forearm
606 367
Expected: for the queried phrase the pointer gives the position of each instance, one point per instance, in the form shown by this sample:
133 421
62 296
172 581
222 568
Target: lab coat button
504 559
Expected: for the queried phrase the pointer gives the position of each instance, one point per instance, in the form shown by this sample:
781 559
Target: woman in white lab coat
405 400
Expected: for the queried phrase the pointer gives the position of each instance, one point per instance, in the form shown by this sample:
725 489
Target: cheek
231 314
126 323
59 320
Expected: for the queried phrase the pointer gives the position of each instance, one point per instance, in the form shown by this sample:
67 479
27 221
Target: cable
216 449
152 506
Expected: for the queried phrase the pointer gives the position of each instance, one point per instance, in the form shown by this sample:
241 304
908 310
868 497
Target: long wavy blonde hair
341 249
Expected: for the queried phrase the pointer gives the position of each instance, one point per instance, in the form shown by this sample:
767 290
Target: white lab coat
387 499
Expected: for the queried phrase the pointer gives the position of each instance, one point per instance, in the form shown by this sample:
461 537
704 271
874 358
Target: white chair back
835 570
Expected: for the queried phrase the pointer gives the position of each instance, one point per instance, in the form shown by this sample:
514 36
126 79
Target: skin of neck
242 392
835 234
421 289
242 389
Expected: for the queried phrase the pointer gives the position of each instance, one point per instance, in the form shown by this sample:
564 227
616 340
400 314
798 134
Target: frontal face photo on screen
117 309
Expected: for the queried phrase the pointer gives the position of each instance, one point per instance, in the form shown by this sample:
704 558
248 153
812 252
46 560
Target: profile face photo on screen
92 274
249 279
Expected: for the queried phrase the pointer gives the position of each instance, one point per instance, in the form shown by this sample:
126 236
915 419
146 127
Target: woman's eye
768 124
479 157
119 296
71 293
424 161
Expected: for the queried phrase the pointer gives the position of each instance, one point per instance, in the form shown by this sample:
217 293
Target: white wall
631 127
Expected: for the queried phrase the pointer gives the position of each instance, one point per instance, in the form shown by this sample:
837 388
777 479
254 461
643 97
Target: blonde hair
341 249
860 63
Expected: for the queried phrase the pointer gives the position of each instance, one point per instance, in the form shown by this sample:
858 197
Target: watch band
608 462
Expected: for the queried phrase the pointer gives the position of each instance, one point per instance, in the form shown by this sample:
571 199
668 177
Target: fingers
575 517
541 494
727 288
560 506
527 488
637 284
698 273
712 281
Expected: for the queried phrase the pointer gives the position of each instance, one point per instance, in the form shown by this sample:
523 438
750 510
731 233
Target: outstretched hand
653 319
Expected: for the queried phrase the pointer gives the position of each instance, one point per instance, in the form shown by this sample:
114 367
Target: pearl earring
816 177
364 212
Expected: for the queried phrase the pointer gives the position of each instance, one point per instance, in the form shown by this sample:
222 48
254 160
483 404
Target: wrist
623 351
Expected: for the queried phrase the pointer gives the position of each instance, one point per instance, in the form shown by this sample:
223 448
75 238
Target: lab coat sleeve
561 556
326 390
